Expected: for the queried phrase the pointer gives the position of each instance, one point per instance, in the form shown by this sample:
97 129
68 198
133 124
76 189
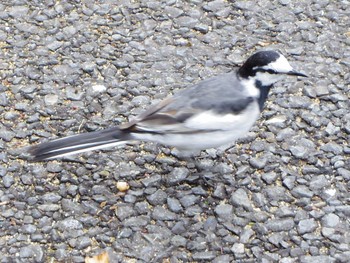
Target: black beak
295 73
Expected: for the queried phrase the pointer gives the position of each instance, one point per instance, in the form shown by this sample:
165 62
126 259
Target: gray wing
192 109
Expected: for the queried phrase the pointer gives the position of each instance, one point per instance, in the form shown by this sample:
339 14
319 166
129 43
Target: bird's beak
296 73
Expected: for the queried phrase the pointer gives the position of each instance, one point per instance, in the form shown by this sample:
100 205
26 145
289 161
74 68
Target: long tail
78 143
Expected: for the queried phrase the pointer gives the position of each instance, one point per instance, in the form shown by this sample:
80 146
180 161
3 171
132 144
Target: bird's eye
271 71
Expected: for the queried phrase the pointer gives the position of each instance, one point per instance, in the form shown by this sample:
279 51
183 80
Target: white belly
229 129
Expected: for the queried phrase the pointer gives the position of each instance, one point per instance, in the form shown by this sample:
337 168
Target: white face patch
280 65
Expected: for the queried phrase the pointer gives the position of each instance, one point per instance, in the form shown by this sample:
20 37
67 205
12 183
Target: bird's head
267 67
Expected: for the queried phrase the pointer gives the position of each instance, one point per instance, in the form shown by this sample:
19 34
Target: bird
214 112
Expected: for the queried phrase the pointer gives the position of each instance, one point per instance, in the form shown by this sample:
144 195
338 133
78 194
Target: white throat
250 88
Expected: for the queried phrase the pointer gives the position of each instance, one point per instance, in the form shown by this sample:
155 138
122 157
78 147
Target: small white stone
51 99
99 88
238 248
331 192
276 119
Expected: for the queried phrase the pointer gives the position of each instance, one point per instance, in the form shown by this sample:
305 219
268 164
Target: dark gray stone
205 255
32 251
54 167
157 198
345 173
174 205
178 241
330 220
8 180
277 225
189 200
224 211
332 147
289 182
240 199
160 213
178 175
136 221
302 191
3 99
83 242
307 226
6 135
258 163
151 181
124 212
220 191
277 193
318 182
51 197
269 178
223 259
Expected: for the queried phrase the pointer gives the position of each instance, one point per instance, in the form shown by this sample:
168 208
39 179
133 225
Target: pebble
135 221
269 178
220 191
32 251
160 213
157 198
224 211
277 225
123 212
188 200
238 248
345 173
330 220
51 99
18 11
6 135
302 191
318 182
240 199
332 147
258 163
69 224
8 180
3 99
307 226
178 175
90 67
83 242
178 241
222 259
206 255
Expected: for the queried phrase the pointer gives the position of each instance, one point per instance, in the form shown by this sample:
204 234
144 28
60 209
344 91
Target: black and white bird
212 113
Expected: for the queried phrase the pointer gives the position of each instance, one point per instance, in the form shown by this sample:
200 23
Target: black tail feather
78 143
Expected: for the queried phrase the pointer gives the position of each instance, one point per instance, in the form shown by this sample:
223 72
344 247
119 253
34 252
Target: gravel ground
279 195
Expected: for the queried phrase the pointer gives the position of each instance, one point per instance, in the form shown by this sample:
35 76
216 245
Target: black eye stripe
270 71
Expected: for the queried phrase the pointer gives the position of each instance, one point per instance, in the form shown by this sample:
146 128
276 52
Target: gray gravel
280 195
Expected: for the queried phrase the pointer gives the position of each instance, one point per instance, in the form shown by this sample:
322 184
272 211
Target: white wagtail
214 112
